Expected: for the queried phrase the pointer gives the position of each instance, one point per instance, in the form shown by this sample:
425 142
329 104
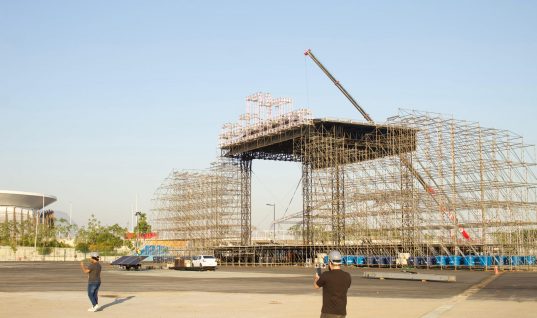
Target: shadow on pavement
116 302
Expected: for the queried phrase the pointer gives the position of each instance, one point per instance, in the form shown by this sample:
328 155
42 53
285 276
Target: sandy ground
200 304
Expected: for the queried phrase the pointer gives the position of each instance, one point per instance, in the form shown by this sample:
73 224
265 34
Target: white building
18 206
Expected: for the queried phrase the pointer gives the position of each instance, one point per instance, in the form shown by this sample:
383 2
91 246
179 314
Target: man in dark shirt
335 283
94 280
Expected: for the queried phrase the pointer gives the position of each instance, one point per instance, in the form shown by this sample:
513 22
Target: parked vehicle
204 262
198 262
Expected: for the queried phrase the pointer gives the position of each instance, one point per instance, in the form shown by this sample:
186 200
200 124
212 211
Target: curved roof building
17 205
26 200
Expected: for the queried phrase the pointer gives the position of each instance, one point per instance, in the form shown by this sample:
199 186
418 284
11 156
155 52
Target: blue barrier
503 260
441 260
500 260
386 260
348 260
360 260
529 260
469 260
373 260
454 260
484 260
516 260
424 261
379 260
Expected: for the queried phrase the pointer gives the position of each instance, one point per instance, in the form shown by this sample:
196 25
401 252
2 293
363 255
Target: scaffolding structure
484 185
265 116
421 184
200 209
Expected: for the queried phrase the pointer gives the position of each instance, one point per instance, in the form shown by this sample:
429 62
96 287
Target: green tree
23 233
27 233
82 247
320 233
63 229
143 227
5 237
96 237
296 231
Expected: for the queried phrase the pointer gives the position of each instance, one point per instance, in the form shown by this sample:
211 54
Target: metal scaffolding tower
359 187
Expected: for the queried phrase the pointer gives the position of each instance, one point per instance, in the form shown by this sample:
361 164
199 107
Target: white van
204 262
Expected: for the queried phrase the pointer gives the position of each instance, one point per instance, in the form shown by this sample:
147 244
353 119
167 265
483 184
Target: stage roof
280 146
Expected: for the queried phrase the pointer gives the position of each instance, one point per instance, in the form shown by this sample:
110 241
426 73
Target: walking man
335 283
94 279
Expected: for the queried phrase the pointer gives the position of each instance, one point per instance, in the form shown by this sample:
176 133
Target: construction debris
410 276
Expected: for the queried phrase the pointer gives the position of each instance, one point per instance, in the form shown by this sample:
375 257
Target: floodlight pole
36 218
70 220
36 222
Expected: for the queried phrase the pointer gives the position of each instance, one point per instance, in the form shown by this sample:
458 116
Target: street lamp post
273 205
137 214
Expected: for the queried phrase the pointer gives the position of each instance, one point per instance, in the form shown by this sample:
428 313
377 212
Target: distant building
20 206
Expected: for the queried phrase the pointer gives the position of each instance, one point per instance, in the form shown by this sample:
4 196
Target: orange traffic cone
495 270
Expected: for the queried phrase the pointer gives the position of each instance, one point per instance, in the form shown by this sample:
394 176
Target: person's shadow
115 302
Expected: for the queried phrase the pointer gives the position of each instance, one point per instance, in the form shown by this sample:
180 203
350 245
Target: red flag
464 233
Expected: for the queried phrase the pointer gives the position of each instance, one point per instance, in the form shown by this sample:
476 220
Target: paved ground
52 289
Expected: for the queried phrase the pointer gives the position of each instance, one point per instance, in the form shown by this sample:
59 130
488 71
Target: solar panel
128 260
119 260
122 260
134 260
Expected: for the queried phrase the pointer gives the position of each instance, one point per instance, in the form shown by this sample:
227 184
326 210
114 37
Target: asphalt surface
510 286
35 290
67 276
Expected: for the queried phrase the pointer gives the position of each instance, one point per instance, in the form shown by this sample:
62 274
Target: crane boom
339 86
452 217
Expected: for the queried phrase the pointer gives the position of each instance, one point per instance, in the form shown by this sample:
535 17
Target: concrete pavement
58 289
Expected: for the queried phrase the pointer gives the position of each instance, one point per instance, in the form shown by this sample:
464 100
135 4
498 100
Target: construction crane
338 85
452 217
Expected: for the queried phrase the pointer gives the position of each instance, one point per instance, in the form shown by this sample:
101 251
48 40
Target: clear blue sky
100 100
